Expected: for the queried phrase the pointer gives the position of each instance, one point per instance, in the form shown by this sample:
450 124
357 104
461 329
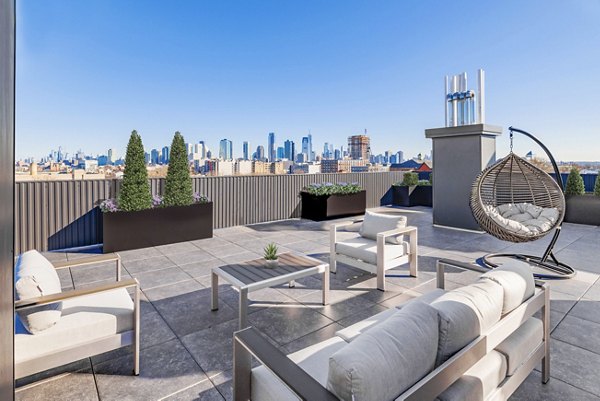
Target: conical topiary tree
597 185
575 185
135 189
178 186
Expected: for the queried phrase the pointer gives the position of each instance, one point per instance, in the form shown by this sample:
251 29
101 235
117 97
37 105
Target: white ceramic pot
271 264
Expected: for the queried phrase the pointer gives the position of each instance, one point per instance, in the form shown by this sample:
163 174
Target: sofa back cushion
516 279
35 276
375 223
464 314
383 362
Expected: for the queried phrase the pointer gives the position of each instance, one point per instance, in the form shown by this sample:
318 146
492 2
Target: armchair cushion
516 279
366 249
35 276
389 358
375 223
464 314
84 319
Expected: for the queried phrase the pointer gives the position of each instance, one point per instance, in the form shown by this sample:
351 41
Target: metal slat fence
63 214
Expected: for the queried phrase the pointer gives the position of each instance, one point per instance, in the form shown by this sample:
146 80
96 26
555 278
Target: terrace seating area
186 350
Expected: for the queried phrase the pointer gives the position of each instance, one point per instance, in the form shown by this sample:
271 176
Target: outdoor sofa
477 342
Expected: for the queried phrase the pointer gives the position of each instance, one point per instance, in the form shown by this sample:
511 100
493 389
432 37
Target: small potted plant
271 257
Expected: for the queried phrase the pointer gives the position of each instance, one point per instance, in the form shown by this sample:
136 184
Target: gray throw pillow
386 360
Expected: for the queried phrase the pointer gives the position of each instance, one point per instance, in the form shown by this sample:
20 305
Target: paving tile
562 302
576 331
93 273
212 348
55 256
315 337
157 278
341 303
586 309
593 293
138 254
196 256
191 312
148 264
532 389
361 315
240 257
209 242
201 268
178 247
81 366
73 386
285 324
164 369
173 290
221 251
203 391
575 366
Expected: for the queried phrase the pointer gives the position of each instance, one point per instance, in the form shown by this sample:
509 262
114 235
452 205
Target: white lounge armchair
53 328
378 247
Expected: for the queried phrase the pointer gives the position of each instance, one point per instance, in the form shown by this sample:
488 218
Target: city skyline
242 72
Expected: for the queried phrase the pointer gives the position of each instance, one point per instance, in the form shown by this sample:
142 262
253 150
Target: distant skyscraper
147 157
400 156
260 153
246 150
111 156
165 155
154 156
280 153
359 147
337 154
225 149
307 147
271 147
289 150
208 154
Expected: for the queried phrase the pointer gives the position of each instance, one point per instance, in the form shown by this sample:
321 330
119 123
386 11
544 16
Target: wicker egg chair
514 182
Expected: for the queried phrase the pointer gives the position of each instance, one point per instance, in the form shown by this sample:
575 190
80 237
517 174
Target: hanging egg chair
515 201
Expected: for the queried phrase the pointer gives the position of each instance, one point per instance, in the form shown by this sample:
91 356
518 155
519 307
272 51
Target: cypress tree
575 185
597 185
135 189
178 185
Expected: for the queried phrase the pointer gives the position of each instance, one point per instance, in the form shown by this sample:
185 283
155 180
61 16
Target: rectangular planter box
583 209
419 195
132 230
333 206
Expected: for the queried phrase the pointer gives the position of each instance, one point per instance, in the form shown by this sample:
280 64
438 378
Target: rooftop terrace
187 349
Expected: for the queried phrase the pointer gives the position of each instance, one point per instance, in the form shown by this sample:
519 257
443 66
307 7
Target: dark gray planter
419 195
132 230
333 206
583 209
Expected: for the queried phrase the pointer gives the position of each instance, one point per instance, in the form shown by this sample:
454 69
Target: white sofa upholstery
90 321
396 354
378 246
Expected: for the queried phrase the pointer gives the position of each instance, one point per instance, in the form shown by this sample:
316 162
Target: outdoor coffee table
254 275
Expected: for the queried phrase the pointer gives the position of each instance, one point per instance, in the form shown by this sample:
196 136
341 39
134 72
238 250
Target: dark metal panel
7 197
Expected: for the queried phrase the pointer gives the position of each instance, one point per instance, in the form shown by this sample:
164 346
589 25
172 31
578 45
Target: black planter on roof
324 207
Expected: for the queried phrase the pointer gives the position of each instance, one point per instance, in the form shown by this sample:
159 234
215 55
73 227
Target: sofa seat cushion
479 381
366 249
35 276
351 332
520 344
386 360
465 313
84 319
516 278
374 223
314 360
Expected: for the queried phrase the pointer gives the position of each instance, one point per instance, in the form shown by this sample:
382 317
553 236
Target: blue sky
88 72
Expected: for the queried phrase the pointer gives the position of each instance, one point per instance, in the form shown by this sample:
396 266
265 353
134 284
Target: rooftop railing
63 214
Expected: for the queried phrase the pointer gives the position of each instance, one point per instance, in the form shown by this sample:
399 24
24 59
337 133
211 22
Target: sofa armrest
91 260
249 342
52 298
454 263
